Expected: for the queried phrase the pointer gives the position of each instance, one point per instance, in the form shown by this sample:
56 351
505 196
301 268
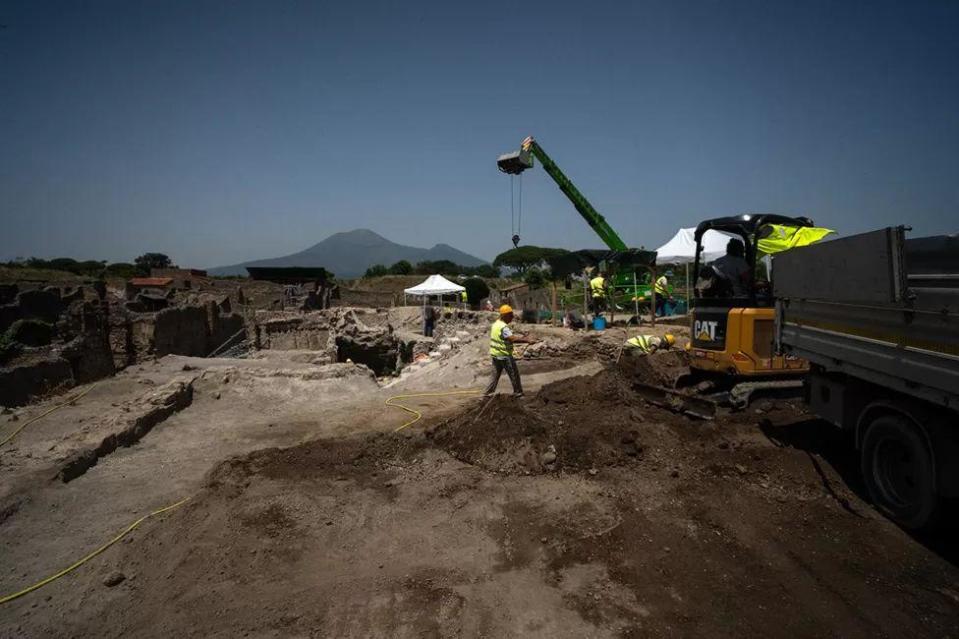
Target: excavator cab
731 331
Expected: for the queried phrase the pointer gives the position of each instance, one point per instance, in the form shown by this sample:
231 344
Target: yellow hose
93 554
417 415
41 416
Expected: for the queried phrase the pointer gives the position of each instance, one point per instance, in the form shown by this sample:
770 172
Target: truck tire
898 470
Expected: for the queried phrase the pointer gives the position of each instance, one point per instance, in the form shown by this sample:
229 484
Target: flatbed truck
876 315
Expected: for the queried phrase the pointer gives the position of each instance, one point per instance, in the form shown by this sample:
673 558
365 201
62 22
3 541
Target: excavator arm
518 161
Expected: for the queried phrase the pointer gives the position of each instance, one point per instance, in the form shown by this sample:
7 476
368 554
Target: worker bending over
501 340
597 290
649 344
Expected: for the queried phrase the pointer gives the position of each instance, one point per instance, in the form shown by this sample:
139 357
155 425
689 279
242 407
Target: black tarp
574 262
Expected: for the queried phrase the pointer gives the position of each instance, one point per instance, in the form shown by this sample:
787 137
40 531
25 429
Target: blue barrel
599 323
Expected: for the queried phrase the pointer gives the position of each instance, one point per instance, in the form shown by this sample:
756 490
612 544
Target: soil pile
578 424
659 369
358 458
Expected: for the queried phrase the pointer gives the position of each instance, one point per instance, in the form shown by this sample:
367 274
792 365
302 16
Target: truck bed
877 307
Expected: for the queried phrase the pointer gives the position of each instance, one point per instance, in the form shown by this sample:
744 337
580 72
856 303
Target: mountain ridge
350 253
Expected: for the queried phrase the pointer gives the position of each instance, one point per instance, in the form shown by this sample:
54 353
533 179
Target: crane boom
517 162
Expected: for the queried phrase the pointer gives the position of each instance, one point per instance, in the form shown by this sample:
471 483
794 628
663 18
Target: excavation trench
145 415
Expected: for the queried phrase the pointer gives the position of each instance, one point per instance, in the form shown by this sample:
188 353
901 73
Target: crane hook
516 241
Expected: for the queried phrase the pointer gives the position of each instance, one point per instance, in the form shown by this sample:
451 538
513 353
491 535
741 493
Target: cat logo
705 331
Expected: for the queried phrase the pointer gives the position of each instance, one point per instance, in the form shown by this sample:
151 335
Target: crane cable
512 206
516 211
519 217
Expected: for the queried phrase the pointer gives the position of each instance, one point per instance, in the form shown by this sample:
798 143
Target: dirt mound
659 369
356 458
560 428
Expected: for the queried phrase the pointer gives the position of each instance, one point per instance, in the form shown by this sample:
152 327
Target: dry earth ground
579 511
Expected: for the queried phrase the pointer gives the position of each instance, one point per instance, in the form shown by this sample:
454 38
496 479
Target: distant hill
349 254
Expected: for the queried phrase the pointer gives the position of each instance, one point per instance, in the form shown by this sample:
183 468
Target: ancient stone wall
20 383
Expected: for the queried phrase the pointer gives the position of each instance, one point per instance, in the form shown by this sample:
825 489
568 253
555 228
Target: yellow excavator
733 308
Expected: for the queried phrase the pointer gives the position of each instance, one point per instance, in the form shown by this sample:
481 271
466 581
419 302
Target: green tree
149 261
535 277
525 257
401 268
442 267
90 268
121 269
476 289
377 270
62 264
485 270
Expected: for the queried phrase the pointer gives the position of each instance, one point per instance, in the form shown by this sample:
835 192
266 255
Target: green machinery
518 161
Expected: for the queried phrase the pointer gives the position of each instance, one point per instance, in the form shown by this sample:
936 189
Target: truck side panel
862 319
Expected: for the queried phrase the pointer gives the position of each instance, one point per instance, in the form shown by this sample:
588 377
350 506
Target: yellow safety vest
597 286
463 296
641 342
499 347
661 287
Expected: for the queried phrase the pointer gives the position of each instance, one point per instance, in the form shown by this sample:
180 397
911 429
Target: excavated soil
664 369
558 429
646 524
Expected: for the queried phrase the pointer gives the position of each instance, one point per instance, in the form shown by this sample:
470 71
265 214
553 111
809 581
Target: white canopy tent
681 249
434 285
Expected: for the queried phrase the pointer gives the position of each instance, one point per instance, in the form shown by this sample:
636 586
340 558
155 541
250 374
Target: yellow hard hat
669 339
505 309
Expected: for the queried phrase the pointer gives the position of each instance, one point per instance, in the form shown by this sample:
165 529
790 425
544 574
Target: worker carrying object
597 290
662 294
649 344
501 341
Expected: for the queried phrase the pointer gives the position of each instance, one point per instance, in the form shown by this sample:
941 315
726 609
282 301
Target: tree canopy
442 267
377 270
476 289
402 267
149 261
523 258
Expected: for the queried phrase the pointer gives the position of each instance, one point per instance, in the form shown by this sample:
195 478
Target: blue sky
219 132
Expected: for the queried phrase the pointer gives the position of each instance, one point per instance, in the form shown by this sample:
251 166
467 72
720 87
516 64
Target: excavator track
677 401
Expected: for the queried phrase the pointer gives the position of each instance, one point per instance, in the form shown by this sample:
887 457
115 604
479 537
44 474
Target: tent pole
652 291
585 291
553 312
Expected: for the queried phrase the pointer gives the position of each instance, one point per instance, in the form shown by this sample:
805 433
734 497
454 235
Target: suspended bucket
514 163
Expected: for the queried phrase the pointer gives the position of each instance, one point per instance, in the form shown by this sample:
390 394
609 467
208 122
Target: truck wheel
898 470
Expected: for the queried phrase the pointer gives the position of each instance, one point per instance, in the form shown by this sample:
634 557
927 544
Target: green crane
518 161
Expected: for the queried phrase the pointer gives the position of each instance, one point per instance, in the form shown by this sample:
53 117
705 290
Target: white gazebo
433 285
681 249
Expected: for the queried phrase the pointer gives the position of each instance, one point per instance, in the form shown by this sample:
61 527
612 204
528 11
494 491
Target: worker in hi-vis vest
597 292
464 298
648 344
662 294
501 340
